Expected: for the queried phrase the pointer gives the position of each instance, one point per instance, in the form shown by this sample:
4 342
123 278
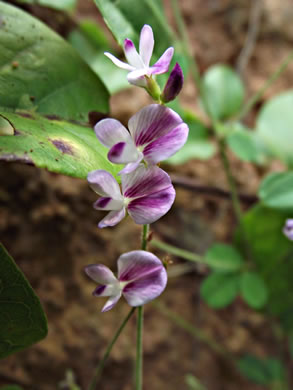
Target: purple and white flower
141 278
139 63
288 229
147 195
155 133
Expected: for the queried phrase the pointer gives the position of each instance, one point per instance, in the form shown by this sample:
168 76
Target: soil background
48 225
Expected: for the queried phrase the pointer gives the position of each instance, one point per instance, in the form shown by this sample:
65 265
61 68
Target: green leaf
56 145
276 191
41 72
247 145
261 371
253 290
224 257
272 253
194 383
275 126
22 321
223 91
219 290
62 5
11 387
113 77
126 18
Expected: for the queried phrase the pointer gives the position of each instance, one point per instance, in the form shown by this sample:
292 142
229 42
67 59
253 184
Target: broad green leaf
224 257
126 18
218 290
247 145
56 145
276 191
22 320
41 72
261 371
63 5
114 78
253 290
223 91
272 253
275 126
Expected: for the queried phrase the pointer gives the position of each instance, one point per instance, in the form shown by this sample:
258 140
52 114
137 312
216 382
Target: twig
251 37
193 185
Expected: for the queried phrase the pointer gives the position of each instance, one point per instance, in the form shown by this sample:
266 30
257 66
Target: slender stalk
102 362
179 252
139 328
192 330
258 95
139 350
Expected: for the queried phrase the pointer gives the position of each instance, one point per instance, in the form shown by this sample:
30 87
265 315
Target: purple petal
164 147
104 184
146 44
163 63
151 207
112 218
132 55
288 229
110 131
107 203
119 63
137 77
123 153
111 302
144 181
152 122
100 273
146 275
173 85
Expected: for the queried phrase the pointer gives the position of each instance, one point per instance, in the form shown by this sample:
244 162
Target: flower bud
173 85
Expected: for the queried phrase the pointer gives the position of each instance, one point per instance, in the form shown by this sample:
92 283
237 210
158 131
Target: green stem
139 328
179 252
102 362
258 95
139 350
198 334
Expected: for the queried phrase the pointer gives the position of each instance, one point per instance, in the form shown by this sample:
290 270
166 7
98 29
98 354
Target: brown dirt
47 223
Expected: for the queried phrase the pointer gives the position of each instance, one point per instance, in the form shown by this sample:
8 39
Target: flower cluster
154 133
288 229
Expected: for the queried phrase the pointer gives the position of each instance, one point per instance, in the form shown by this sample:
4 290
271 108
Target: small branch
194 186
251 37
101 364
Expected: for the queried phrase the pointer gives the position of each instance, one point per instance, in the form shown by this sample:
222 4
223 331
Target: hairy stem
102 362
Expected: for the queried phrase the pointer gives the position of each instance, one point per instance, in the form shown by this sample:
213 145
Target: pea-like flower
141 278
147 195
155 133
139 63
288 229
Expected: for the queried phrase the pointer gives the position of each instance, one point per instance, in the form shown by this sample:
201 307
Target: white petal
163 63
132 55
112 218
123 153
110 131
137 77
104 184
100 273
130 167
146 44
107 203
111 302
119 63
